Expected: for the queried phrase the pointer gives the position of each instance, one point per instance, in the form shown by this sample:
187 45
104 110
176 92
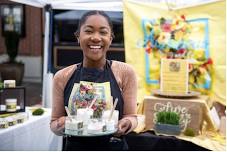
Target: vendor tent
72 15
105 5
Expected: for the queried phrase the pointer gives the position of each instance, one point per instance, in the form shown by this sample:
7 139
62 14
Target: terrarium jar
98 113
115 116
99 108
3 123
84 114
11 105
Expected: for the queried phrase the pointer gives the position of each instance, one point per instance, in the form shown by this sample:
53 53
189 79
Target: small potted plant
11 69
168 123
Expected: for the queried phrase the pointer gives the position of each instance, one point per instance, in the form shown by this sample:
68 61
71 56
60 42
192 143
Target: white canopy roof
72 15
106 5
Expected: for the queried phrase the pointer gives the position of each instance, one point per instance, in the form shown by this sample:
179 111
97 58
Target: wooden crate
190 109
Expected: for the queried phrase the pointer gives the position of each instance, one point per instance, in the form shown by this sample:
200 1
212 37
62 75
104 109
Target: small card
214 115
84 92
174 76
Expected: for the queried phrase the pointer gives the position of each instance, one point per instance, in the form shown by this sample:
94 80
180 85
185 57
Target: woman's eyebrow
104 27
90 26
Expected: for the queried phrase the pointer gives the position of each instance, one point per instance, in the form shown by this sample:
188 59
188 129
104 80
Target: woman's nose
95 37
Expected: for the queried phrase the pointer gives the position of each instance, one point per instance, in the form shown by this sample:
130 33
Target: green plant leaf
167 117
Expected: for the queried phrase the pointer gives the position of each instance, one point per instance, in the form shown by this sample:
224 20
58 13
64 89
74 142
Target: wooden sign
191 110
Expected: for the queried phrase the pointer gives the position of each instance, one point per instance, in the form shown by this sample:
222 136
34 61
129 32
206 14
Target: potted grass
12 69
168 123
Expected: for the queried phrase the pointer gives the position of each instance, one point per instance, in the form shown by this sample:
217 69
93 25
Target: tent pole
47 82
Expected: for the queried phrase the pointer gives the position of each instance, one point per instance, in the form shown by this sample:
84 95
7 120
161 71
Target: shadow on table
149 141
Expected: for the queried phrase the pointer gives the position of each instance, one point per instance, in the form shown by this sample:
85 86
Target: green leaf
167 117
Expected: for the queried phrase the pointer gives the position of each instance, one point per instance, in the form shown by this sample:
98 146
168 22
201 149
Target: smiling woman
112 78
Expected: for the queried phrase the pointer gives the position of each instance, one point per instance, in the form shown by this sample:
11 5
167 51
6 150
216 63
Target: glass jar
11 105
3 123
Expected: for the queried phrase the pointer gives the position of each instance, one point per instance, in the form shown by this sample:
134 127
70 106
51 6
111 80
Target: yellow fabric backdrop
135 12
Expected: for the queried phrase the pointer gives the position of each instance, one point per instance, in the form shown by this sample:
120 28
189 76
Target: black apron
99 76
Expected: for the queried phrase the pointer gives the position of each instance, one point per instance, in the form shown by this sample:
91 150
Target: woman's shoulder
66 72
121 66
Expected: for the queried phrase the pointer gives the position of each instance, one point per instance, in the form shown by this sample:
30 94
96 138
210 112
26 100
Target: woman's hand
58 126
124 125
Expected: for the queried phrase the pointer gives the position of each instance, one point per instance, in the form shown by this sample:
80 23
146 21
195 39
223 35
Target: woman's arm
127 81
60 80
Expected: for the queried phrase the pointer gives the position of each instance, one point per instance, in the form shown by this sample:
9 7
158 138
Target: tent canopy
106 5
72 15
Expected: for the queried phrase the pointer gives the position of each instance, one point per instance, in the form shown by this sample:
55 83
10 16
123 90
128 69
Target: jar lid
9 81
11 100
10 119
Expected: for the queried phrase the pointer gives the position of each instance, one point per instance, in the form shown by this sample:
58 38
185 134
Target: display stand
17 93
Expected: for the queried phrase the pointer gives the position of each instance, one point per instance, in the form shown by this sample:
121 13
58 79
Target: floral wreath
170 39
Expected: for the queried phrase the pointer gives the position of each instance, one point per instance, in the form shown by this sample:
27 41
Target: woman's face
95 37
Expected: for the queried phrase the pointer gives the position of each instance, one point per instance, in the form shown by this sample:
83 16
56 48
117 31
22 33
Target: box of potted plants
167 123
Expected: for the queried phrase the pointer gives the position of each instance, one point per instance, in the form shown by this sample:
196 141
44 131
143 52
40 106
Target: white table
33 134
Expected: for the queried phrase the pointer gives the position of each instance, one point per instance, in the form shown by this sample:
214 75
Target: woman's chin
96 58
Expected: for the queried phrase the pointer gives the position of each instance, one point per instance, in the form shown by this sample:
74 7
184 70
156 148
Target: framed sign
13 18
17 93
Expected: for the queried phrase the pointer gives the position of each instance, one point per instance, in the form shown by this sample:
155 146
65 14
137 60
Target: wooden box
190 110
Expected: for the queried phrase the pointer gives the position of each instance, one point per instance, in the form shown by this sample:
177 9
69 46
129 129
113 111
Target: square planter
167 129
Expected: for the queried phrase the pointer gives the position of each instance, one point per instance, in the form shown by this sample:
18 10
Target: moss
38 112
189 132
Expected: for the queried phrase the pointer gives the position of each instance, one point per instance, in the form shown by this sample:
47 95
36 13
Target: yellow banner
196 33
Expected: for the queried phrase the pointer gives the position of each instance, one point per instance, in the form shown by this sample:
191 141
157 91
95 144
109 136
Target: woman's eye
88 31
104 32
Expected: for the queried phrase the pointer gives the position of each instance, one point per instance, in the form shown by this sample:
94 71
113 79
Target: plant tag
215 117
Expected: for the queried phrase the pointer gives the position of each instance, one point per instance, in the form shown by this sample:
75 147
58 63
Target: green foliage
167 117
38 112
1 85
12 42
189 132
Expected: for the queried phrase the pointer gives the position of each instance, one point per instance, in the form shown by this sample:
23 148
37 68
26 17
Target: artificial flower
165 38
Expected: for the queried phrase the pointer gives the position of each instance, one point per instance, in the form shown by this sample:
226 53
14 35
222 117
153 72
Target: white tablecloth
33 134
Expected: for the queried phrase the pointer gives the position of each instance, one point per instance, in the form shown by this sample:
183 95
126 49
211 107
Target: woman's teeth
95 47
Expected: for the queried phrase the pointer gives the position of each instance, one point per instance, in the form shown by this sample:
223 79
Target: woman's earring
78 40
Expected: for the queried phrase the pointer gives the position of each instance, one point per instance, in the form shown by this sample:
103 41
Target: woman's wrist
133 122
58 126
129 127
